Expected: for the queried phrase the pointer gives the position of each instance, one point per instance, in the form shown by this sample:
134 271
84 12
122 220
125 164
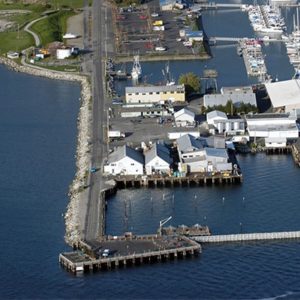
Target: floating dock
123 251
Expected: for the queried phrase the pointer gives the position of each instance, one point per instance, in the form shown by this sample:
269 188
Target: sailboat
136 72
167 75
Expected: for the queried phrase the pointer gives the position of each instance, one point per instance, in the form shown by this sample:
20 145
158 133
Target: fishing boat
136 72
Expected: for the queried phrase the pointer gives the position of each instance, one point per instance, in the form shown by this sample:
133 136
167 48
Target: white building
217 160
214 116
195 158
285 95
125 161
159 94
63 53
272 126
223 125
275 142
158 160
184 118
237 95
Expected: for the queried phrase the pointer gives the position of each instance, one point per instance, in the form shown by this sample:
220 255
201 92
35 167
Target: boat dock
253 58
171 181
128 250
244 237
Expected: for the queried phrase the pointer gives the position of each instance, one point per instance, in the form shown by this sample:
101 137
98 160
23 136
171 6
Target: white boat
160 48
70 36
136 72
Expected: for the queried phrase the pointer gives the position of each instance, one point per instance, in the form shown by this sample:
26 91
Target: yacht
136 72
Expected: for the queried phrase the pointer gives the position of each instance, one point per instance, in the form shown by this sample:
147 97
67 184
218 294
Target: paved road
94 219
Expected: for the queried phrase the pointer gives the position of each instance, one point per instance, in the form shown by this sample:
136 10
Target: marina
262 204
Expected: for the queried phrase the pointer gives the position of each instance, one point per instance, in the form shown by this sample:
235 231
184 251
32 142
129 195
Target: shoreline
73 228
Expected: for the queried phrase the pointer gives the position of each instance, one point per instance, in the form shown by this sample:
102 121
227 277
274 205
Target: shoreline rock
83 158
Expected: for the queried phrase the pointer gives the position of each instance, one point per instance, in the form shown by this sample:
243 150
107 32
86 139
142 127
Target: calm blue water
38 135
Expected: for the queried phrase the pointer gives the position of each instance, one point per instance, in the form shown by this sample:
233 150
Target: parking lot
135 31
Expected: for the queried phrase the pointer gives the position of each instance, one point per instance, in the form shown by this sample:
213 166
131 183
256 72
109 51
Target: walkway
35 36
243 237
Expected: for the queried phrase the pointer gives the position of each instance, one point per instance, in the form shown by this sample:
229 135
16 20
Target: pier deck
131 250
170 181
243 237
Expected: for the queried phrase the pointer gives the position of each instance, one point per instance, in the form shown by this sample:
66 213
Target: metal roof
154 89
216 152
188 143
159 150
283 93
216 113
267 116
184 111
125 151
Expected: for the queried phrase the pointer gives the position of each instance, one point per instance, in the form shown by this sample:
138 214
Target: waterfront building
285 95
272 126
195 157
237 95
193 35
158 159
126 161
155 94
273 142
222 125
184 118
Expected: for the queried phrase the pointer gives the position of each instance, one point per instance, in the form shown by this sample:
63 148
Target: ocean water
38 142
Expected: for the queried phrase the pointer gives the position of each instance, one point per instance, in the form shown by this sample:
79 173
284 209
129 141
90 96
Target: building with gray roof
126 161
158 159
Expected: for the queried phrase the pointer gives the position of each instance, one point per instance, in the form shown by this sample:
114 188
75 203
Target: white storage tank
228 126
63 53
220 126
236 125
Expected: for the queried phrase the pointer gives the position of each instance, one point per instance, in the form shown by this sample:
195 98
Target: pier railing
243 237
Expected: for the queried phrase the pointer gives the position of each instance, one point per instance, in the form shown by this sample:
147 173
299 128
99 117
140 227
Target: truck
115 135
158 23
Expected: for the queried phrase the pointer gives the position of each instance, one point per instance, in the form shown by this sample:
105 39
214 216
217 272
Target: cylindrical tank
220 126
236 125
63 53
228 126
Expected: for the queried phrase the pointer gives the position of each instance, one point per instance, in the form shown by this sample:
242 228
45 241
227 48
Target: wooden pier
124 252
171 181
244 237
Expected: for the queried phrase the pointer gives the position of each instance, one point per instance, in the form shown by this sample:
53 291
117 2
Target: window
136 93
157 93
129 94
132 164
150 93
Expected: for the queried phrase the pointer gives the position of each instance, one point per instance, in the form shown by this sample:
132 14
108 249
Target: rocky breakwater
73 221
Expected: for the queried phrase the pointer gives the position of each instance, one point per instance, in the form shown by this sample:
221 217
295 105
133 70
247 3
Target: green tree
191 82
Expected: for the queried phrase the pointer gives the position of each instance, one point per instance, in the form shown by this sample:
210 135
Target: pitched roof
125 151
215 113
184 111
188 143
159 150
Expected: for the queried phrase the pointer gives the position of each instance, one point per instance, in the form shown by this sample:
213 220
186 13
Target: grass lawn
52 28
52 4
13 41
